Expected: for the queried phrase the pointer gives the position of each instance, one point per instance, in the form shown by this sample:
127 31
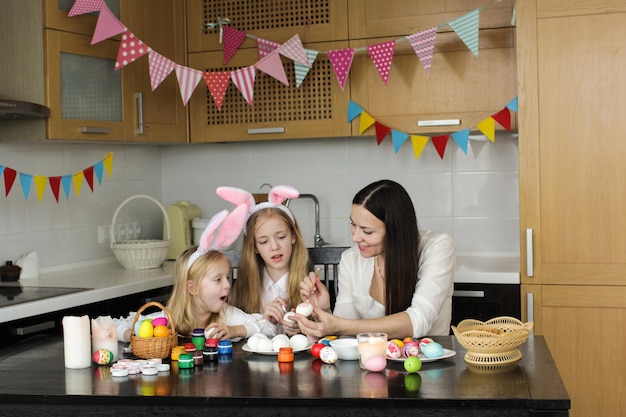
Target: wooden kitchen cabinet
318 108
459 86
313 20
376 19
572 194
88 99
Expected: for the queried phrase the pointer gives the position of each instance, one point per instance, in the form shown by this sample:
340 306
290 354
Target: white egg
280 336
261 335
288 315
305 309
208 332
298 342
264 345
253 342
280 342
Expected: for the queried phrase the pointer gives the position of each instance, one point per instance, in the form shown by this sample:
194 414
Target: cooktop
12 293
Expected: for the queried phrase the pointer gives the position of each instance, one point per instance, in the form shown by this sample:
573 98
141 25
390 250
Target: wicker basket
153 347
140 254
493 342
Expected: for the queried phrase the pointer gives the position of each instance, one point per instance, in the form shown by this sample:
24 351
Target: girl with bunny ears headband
202 286
273 259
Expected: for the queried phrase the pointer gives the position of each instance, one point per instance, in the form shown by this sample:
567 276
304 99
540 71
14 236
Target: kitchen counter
35 383
487 269
104 281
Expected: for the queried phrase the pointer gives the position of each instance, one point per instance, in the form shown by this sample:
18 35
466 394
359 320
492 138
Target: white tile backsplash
474 198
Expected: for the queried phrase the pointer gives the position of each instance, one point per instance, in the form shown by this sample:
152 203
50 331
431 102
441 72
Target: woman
395 280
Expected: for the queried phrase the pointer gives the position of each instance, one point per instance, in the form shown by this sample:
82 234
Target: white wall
474 199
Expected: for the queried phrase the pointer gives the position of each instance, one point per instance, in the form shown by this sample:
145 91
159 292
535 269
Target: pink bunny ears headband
276 197
224 228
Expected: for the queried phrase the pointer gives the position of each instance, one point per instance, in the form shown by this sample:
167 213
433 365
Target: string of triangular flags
57 182
462 137
217 82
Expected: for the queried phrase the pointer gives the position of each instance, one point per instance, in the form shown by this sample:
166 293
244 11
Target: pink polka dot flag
85 6
233 39
217 83
294 50
130 49
382 54
341 60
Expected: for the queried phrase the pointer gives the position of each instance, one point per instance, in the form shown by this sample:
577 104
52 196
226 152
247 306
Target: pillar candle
76 342
104 335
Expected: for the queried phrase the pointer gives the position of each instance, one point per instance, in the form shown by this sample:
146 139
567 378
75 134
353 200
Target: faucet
319 240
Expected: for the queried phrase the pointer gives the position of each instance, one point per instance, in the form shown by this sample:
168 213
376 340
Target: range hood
21 110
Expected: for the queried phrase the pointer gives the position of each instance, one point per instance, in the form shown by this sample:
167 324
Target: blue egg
432 350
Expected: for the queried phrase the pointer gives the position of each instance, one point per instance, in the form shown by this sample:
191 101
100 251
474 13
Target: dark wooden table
34 382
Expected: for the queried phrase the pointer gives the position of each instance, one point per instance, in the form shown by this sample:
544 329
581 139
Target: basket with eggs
153 338
493 342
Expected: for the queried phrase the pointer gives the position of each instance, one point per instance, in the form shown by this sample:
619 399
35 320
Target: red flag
88 173
503 117
381 132
233 39
440 143
55 185
9 179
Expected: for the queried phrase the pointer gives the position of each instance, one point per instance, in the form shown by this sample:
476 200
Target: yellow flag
365 122
488 127
77 179
419 143
40 186
108 163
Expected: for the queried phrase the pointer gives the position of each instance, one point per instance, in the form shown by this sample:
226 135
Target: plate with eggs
426 349
263 345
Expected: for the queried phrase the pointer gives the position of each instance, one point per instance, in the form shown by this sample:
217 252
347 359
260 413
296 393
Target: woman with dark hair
395 280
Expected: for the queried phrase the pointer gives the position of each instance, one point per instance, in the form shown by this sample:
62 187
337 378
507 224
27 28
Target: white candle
370 344
76 342
104 335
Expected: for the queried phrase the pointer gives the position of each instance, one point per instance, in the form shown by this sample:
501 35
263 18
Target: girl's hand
216 330
275 310
314 291
325 324
290 326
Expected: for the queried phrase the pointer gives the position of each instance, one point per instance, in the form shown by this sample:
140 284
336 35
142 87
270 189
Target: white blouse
431 306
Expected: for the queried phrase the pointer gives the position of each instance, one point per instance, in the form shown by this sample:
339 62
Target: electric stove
12 293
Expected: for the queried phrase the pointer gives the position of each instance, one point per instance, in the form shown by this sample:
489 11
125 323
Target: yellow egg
146 329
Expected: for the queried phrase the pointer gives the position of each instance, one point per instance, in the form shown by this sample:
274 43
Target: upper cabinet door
376 18
277 21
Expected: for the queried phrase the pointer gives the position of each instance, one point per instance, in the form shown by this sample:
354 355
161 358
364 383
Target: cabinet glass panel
113 5
90 88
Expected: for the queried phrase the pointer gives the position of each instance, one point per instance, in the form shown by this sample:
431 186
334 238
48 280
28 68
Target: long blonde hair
248 288
180 305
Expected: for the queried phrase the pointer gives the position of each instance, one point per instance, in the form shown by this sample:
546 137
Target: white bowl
346 348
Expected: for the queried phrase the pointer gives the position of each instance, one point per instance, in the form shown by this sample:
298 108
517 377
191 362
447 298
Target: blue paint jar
225 347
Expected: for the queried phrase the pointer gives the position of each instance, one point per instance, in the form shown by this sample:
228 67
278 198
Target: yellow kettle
180 215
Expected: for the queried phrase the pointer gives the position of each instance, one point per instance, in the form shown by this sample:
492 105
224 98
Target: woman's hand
275 310
326 323
315 292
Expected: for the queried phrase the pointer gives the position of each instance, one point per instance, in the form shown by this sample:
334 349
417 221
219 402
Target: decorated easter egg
305 309
375 363
328 355
412 364
393 351
159 321
161 331
146 329
398 342
103 356
316 348
433 350
423 342
411 349
298 342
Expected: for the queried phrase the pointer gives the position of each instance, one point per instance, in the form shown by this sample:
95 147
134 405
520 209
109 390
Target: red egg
316 348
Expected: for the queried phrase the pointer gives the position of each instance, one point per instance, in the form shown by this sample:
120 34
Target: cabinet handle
468 293
530 307
93 129
139 107
266 130
442 122
529 253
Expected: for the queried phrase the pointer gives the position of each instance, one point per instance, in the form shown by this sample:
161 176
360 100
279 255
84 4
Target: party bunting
56 182
302 70
466 27
85 6
382 54
130 49
188 80
217 83
160 68
423 43
233 39
107 26
341 60
440 142
244 80
273 66
265 46
294 50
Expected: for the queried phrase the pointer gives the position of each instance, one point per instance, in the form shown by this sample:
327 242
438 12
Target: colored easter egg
412 364
433 350
375 363
411 349
146 329
159 321
316 348
328 355
103 356
393 351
